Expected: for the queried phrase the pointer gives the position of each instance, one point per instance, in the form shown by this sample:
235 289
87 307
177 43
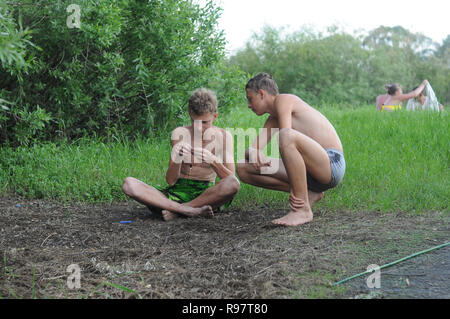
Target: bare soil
237 254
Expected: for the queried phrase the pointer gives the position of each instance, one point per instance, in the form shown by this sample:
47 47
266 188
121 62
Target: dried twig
47 238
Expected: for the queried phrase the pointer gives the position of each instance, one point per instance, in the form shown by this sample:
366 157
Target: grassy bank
395 162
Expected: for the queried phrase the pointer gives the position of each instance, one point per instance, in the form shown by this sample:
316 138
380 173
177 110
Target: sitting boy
200 152
312 159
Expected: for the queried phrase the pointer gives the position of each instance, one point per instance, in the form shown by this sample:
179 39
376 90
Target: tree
128 68
339 68
399 37
443 52
14 43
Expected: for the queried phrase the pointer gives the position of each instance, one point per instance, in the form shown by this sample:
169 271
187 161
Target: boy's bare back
309 121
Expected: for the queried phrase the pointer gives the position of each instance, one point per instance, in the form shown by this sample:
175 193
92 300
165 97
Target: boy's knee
232 185
286 137
128 186
241 171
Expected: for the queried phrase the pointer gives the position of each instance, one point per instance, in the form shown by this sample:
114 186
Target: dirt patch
425 276
237 254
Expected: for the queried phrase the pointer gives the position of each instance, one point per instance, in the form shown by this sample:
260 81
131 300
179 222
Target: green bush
127 70
14 42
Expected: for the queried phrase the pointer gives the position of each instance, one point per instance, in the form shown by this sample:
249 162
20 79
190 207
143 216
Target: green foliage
128 70
341 68
399 37
14 42
395 162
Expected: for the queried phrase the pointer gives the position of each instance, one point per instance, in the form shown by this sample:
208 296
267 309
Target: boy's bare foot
295 218
204 211
300 212
314 197
168 215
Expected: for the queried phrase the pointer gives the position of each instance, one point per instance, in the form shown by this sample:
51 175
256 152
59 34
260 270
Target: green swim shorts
185 190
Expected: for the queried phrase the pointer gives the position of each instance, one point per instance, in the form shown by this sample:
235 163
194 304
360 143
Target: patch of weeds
8 272
112 285
317 285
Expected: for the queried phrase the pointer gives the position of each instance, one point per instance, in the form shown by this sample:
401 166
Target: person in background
380 100
396 96
422 99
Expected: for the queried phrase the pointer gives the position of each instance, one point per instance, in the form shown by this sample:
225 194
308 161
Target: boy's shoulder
186 131
181 131
291 101
219 130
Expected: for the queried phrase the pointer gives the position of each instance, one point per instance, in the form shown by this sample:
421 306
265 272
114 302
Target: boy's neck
271 104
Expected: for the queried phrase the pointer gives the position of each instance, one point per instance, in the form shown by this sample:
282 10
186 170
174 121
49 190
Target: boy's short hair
263 81
203 101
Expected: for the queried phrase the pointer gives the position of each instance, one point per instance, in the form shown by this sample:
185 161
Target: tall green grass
396 161
86 170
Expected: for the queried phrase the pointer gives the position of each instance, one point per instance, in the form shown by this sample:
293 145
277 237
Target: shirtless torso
304 119
215 140
311 122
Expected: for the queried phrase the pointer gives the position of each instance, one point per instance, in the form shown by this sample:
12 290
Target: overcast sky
240 18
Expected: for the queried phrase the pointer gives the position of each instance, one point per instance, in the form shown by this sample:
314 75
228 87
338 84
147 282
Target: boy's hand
262 162
181 152
257 159
202 155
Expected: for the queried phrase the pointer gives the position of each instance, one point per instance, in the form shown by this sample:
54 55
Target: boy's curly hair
263 81
203 101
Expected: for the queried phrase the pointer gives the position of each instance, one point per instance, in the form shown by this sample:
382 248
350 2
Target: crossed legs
202 206
299 154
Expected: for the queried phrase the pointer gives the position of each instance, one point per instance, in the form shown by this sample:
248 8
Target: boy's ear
262 92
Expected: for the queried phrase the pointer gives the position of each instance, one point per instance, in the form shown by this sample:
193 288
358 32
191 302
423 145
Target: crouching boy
312 158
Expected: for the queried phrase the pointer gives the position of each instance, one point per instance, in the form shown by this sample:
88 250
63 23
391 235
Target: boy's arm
227 166
284 112
264 136
176 155
173 171
415 93
222 170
